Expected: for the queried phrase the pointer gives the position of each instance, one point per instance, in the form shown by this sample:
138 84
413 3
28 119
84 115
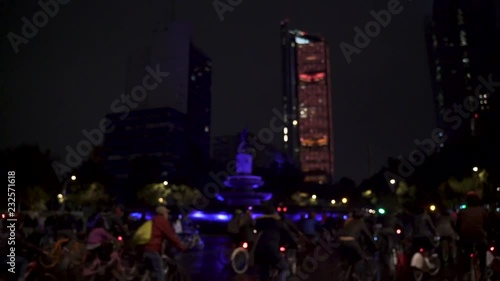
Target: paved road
205 266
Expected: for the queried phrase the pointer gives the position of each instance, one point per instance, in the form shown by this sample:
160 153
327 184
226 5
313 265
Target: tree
34 175
36 199
87 195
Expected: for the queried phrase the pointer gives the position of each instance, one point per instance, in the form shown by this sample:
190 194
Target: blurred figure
247 227
472 224
445 225
351 238
311 227
272 233
162 231
99 241
424 230
234 226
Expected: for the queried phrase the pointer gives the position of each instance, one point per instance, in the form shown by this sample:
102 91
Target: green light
381 211
463 207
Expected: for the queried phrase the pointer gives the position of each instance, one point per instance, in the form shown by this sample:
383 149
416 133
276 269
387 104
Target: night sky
66 77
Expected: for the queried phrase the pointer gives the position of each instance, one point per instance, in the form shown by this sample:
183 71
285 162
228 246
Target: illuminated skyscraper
307 104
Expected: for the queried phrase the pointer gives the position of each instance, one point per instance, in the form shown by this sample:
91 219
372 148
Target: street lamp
344 200
498 188
475 169
165 183
160 200
392 181
333 202
314 197
65 186
432 208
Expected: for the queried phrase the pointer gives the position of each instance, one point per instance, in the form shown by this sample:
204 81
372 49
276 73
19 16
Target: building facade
307 104
158 133
462 52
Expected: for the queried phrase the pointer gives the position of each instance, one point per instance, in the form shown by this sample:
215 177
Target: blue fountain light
136 216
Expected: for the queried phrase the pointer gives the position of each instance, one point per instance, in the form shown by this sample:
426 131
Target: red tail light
279 209
282 249
421 250
120 238
285 209
245 245
398 231
471 255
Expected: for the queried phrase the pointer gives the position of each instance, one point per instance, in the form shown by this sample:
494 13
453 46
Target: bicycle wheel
240 260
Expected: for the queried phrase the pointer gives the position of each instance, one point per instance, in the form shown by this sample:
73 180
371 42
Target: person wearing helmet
472 224
351 237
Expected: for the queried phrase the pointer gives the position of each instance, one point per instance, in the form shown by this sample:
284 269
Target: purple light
268 197
222 217
198 215
344 217
220 198
250 208
148 217
136 216
255 185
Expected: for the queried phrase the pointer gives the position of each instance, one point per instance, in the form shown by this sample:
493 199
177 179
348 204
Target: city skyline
93 75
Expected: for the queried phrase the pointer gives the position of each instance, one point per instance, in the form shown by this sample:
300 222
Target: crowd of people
470 228
103 231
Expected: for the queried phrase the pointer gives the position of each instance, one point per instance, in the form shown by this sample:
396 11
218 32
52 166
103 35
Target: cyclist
445 227
351 238
273 233
234 226
97 241
424 232
162 230
472 224
311 227
247 227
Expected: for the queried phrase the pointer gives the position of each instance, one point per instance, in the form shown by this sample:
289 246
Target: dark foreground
205 266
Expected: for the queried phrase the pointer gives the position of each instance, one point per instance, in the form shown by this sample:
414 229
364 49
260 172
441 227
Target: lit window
193 77
285 130
285 138
463 38
207 129
465 60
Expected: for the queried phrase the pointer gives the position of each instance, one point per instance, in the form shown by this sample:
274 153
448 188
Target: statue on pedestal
244 157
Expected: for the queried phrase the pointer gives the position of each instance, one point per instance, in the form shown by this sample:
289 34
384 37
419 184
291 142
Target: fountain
242 185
